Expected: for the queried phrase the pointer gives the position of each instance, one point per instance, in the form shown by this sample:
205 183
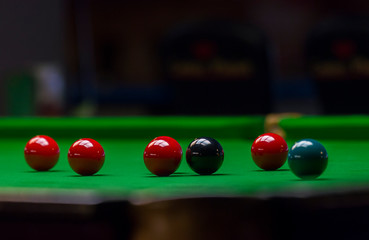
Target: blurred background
203 57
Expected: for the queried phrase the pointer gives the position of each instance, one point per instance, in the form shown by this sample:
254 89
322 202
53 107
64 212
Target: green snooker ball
308 159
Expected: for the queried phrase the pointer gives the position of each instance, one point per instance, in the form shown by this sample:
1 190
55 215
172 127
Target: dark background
87 58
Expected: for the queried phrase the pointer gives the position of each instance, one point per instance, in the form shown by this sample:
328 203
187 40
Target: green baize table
240 201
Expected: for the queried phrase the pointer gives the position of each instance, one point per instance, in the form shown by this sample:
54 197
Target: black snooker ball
205 155
308 159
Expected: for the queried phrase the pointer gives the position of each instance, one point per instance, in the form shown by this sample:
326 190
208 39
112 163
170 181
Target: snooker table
240 201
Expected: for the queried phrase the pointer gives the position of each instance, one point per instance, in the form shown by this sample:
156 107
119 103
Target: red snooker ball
41 153
162 156
86 156
269 151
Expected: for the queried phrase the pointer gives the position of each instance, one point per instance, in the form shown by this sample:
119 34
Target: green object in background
349 127
20 95
134 127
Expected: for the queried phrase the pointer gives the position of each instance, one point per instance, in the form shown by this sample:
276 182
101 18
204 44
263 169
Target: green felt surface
124 172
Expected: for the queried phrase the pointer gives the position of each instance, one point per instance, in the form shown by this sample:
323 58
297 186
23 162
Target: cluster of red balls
86 156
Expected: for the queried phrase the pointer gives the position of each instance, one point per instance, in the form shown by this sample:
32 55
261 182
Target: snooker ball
308 159
205 155
269 151
86 156
162 156
41 153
